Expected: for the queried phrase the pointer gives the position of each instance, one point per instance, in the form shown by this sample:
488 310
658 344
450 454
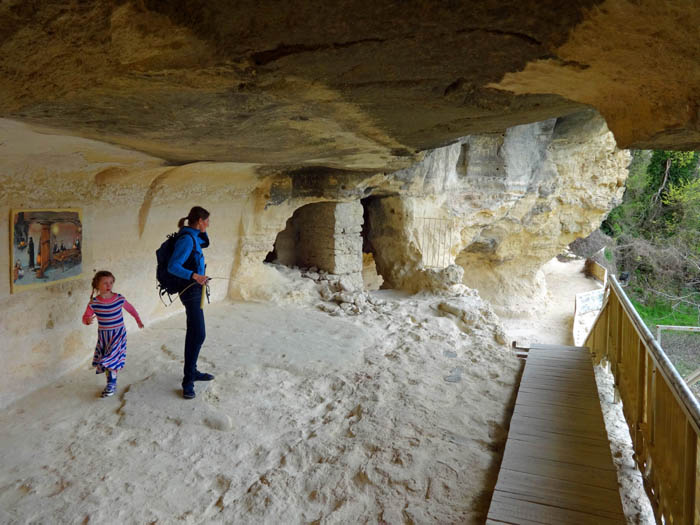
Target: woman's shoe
188 391
202 376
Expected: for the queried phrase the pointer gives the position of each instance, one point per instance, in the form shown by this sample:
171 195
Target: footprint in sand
169 353
449 353
455 375
218 421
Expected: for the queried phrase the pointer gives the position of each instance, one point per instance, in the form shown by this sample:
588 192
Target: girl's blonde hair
96 281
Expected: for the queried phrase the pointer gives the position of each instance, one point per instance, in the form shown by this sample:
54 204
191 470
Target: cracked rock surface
353 84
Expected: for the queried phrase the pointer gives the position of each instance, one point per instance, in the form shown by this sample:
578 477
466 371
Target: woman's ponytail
196 213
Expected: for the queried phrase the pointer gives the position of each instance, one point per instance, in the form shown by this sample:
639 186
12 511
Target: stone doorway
371 278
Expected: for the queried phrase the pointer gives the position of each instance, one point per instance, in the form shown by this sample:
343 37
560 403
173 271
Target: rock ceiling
354 84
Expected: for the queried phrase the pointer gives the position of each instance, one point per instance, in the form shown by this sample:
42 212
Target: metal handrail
680 389
660 327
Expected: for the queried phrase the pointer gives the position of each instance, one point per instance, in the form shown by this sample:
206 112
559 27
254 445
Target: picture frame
46 247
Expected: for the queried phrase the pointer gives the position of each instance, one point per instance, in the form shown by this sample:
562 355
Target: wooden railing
662 413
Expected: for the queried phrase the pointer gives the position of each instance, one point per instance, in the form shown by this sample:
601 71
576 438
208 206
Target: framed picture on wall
46 247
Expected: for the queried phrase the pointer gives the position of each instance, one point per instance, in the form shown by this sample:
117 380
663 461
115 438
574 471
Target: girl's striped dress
110 351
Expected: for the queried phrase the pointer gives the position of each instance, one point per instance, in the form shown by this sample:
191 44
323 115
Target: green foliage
651 206
682 166
683 204
628 215
657 312
656 231
666 170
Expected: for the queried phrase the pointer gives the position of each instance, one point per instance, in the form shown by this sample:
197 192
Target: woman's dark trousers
196 333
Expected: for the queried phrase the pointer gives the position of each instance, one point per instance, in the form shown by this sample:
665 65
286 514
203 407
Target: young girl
110 352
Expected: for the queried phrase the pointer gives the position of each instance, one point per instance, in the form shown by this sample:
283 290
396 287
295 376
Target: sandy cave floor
396 415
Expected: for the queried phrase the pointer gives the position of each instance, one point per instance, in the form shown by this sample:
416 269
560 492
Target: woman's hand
139 323
201 279
88 320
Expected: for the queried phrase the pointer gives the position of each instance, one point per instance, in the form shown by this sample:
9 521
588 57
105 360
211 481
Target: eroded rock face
355 84
500 205
634 52
511 200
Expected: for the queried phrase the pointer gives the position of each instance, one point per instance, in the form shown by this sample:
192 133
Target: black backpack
167 283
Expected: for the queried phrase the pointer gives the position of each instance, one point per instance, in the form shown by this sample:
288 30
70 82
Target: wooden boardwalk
557 466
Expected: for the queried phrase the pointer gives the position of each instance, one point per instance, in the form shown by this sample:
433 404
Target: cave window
436 236
307 239
325 235
463 160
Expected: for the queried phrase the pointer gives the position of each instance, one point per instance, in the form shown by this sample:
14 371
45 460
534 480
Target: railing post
608 308
690 474
641 399
653 405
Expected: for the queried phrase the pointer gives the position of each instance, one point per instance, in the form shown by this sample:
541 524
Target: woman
187 263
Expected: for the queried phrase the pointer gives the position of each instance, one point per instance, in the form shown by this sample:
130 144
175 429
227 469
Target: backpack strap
194 248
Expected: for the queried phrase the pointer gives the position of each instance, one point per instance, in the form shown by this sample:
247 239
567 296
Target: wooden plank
509 509
568 352
581 454
557 466
534 380
543 346
558 412
559 358
553 366
520 522
583 371
552 397
582 474
561 353
565 364
537 377
560 493
560 363
525 432
576 374
561 386
560 426
573 441
528 403
583 404
528 396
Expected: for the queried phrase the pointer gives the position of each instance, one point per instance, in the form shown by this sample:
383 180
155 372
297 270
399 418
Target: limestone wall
514 200
129 203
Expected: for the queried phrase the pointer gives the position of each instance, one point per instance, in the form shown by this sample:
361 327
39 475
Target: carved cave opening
330 236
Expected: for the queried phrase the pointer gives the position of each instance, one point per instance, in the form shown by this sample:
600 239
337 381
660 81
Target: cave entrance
324 235
371 278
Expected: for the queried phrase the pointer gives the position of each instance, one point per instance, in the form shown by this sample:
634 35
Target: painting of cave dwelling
46 247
